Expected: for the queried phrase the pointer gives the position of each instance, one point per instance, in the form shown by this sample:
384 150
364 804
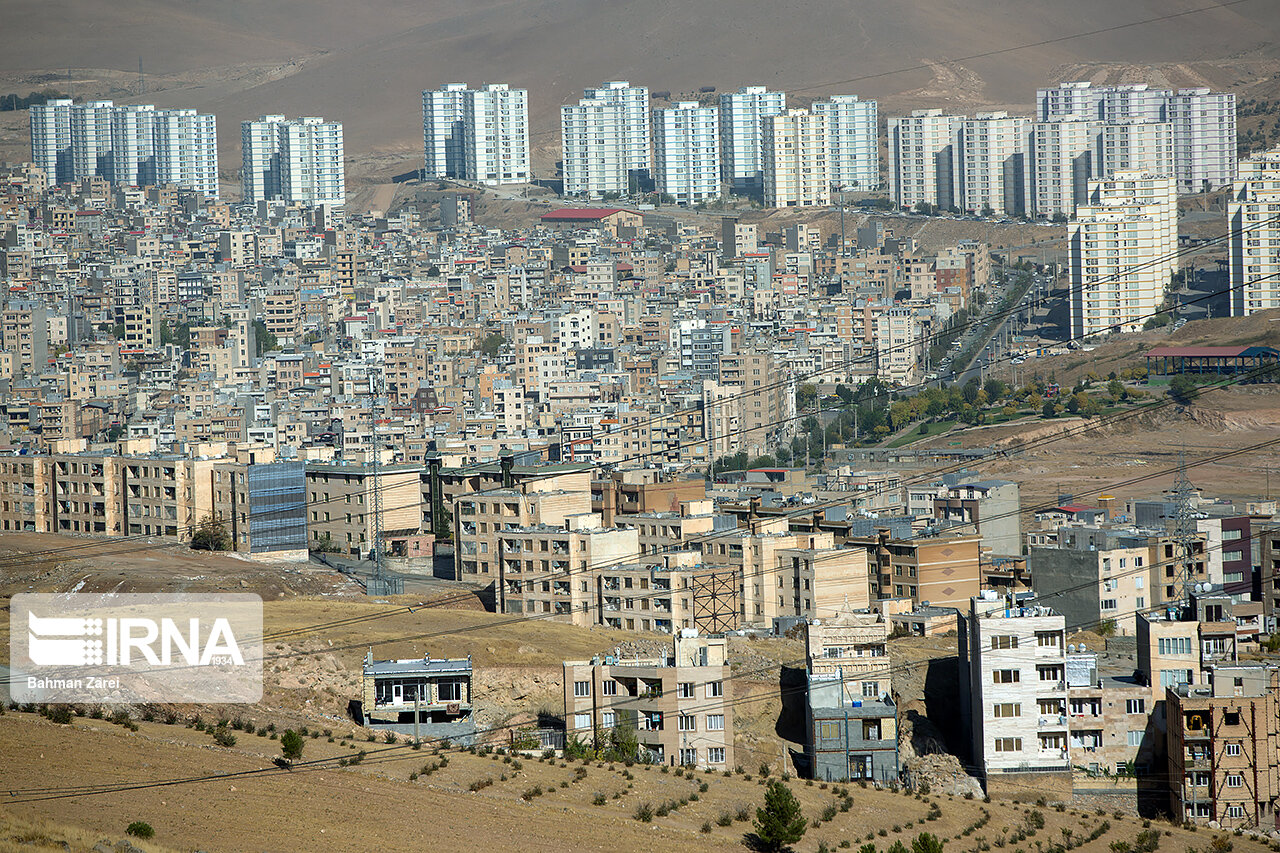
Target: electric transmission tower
1185 533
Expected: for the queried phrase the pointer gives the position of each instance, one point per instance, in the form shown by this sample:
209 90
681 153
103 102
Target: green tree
926 842
442 525
1183 389
845 393
1115 390
291 744
492 344
779 823
210 535
266 342
995 389
624 744
898 847
806 394
1048 411
324 545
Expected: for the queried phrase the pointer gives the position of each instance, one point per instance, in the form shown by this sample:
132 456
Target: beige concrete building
680 704
794 156
340 506
481 520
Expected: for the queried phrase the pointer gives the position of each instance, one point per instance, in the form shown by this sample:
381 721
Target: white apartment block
51 139
1137 145
91 140
606 140
1064 157
1204 139
133 153
996 158
898 342
686 152
853 145
476 134
794 150
186 150
1122 246
1254 213
298 161
132 145
741 114
1013 687
1203 124
924 159
443 134
496 135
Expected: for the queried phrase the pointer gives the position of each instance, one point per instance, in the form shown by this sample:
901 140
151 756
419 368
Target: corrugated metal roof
419 666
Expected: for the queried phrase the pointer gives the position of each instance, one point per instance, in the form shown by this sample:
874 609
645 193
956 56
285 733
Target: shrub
389 737
599 800
644 813
480 784
535 791
140 829
291 744
60 714
222 737
725 819
706 826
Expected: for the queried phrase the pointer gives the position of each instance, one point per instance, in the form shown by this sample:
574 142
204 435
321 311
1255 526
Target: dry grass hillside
366 63
473 802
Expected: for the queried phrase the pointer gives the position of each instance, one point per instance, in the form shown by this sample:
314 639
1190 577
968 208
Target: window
688 756
1108 604
608 719
714 689
1135 738
581 689
1135 706
1235 780
450 691
1231 718
1235 811
870 689
1004 641
684 690
609 687
715 755
829 731
1008 744
715 722
1174 677
1006 676
581 722
1047 639
1007 709
1174 645
1233 749
686 723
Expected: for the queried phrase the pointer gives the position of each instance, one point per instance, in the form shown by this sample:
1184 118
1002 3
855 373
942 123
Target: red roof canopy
571 214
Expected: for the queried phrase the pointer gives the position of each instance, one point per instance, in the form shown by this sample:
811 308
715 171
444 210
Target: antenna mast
1185 534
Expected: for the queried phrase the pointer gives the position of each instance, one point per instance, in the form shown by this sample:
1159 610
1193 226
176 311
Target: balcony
1052 721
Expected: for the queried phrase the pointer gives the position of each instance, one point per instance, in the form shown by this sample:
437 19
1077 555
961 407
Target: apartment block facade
680 704
477 134
925 159
741 119
1253 259
606 140
853 141
297 161
686 152
1122 246
996 153
793 151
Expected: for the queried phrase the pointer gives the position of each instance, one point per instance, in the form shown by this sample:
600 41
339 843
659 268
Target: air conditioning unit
453 708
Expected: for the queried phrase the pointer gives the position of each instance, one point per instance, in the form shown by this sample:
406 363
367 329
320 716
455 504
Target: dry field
246 803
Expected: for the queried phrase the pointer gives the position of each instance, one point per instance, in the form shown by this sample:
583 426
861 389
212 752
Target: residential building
941 571
793 152
853 144
741 118
606 140
1142 145
679 704
1064 157
51 139
1013 690
1120 566
297 161
1224 748
1123 247
340 504
1204 133
477 134
925 159
993 507
996 157
132 145
687 152
426 697
851 726
1253 257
